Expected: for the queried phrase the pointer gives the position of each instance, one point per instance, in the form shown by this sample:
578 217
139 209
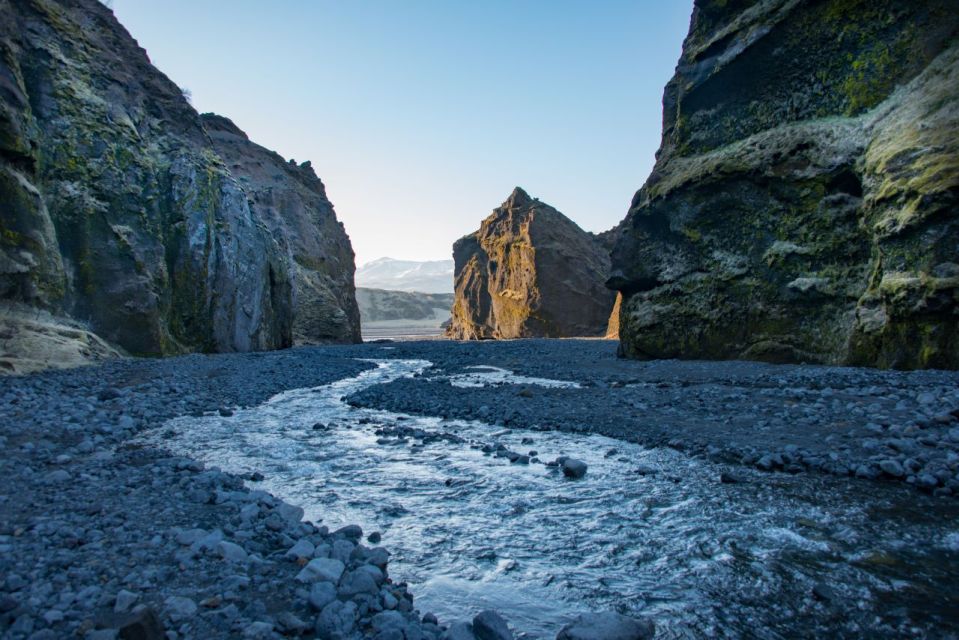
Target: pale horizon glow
422 116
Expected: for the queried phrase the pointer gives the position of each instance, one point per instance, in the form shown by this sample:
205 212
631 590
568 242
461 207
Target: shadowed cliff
803 204
118 211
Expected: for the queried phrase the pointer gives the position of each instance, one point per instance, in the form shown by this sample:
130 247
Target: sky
420 116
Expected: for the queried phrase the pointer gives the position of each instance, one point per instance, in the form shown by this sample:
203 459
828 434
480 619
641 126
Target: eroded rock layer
529 271
803 206
117 209
291 201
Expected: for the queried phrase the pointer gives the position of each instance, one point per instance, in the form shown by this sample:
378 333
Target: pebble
125 601
180 608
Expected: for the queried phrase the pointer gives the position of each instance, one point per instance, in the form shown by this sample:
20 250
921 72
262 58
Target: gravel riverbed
102 536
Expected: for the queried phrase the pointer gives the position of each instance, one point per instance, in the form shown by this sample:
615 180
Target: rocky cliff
803 206
529 271
118 210
291 202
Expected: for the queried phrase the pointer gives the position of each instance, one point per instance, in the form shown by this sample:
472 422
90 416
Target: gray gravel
876 425
97 535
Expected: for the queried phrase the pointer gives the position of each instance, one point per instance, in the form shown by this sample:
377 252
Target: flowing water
647 531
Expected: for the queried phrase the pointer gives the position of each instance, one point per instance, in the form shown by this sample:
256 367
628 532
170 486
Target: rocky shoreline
845 421
102 538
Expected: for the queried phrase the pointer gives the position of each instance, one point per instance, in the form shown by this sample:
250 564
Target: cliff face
116 208
803 206
291 202
529 271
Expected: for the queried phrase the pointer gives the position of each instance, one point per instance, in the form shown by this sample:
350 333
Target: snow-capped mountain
432 276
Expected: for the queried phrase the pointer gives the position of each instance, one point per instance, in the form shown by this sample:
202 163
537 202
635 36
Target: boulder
607 626
489 625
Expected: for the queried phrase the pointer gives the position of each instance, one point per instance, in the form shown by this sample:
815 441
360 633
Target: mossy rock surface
119 210
803 207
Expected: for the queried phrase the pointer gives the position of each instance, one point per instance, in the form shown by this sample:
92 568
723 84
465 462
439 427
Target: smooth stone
389 620
124 601
302 549
489 625
573 468
180 608
337 620
350 531
892 468
459 631
231 552
321 569
822 591
322 594
607 626
357 582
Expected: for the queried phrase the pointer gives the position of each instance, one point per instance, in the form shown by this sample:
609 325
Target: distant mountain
432 276
378 305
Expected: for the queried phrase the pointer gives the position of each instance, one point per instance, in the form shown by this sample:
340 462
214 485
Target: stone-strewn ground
96 534
885 425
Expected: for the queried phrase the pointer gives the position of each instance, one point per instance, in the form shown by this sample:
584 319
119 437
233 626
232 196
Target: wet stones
573 468
607 626
489 625
823 592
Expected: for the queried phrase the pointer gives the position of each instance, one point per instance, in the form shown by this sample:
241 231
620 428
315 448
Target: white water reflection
487 376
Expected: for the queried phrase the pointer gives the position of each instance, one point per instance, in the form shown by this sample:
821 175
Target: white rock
321 570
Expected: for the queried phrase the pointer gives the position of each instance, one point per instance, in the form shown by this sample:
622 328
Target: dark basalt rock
529 271
803 204
118 211
291 202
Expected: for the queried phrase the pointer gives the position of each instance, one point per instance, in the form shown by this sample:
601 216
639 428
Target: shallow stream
647 531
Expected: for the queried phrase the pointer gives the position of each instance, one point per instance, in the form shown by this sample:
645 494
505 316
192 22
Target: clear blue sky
421 116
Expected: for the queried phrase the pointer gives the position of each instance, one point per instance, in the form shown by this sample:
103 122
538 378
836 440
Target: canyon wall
529 271
119 211
803 206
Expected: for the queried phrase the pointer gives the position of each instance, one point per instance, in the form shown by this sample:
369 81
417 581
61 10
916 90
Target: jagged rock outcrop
291 201
803 206
529 271
117 209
